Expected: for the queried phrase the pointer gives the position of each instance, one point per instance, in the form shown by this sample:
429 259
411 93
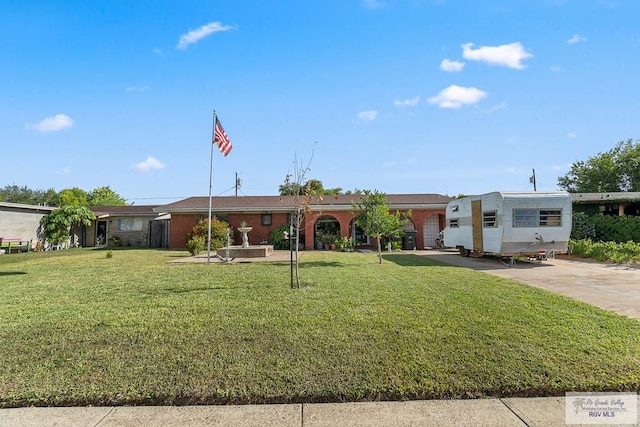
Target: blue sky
399 96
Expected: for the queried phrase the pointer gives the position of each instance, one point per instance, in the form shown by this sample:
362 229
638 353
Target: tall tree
374 217
72 197
105 196
25 195
309 187
615 170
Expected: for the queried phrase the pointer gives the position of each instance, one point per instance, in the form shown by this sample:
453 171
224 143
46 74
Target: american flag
221 139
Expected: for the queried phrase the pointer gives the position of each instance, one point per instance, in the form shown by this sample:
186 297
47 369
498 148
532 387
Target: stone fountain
246 250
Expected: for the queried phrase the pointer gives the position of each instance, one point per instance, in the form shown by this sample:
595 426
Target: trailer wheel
464 252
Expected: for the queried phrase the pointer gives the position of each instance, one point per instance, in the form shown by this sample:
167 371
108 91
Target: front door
476 225
101 233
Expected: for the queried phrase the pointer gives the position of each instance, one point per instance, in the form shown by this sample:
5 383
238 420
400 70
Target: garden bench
14 243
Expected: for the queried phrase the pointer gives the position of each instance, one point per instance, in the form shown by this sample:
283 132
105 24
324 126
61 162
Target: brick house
327 215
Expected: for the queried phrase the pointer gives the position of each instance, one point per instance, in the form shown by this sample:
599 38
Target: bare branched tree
302 199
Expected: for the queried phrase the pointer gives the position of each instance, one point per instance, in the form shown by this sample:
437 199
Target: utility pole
532 180
238 183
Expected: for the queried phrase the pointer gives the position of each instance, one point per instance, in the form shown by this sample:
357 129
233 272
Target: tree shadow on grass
412 260
12 273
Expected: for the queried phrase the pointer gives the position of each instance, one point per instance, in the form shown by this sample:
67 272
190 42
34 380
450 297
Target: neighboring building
615 204
137 226
328 215
20 221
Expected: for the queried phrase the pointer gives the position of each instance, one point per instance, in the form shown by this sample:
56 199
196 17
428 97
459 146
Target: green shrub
109 254
344 243
195 245
218 233
581 228
622 253
276 238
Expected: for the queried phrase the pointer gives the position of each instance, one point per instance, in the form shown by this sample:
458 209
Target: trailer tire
464 252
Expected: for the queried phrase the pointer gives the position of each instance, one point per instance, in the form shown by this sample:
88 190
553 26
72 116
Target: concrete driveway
609 286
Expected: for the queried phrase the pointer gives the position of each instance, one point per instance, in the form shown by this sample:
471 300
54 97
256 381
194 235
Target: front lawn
78 328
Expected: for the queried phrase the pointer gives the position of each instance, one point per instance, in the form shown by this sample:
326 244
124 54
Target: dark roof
25 207
129 210
610 197
287 203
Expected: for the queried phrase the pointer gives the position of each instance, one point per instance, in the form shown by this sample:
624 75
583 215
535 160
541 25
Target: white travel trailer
509 224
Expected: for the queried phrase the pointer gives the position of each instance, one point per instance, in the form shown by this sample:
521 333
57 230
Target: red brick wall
182 224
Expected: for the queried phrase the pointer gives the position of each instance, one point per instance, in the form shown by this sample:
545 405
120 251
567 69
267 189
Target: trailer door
476 224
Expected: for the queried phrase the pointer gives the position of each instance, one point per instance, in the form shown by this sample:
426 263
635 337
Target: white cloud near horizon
412 102
576 38
368 116
52 124
456 96
194 36
507 55
150 163
451 66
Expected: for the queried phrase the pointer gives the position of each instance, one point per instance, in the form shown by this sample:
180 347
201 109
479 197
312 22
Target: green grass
78 328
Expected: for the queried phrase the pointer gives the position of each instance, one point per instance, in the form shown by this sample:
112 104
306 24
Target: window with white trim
129 224
489 219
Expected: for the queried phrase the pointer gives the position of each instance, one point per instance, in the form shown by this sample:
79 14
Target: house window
453 223
537 217
128 224
266 219
489 219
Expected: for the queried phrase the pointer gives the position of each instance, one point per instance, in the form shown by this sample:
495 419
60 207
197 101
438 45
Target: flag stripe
221 139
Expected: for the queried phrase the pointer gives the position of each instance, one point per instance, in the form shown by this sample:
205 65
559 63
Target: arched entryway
327 230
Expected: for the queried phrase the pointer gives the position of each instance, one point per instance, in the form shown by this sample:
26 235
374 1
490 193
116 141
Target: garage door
431 230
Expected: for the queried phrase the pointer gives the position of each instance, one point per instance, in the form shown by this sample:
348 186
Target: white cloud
576 38
456 96
148 164
136 88
572 135
500 106
368 116
508 55
196 35
407 102
52 124
448 65
555 69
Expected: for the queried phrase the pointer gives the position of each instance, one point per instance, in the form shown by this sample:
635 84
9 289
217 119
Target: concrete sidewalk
516 412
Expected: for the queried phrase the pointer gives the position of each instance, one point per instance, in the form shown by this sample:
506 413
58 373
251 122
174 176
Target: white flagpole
213 139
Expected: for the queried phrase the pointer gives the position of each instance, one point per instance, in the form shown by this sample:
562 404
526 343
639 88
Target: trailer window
489 219
453 223
537 217
551 218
